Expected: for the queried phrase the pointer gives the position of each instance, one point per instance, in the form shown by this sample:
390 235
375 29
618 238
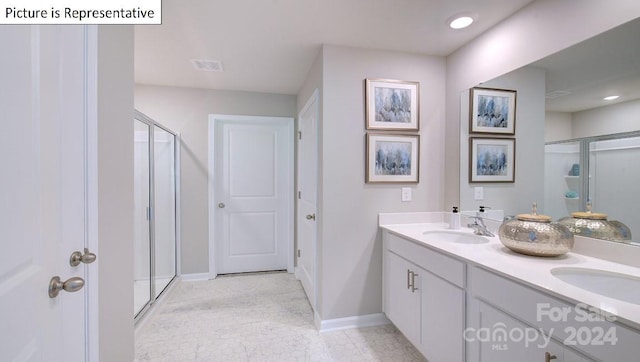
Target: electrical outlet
406 194
478 193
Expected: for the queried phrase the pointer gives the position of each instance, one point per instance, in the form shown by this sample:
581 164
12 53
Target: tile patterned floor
256 317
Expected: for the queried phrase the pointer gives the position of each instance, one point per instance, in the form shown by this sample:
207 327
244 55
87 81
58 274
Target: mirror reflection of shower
155 211
601 170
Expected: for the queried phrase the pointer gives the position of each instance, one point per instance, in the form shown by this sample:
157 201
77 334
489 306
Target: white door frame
313 99
213 118
92 312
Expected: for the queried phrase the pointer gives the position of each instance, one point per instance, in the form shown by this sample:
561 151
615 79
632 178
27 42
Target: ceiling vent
207 65
556 94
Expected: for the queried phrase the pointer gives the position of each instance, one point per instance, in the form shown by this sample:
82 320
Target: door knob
221 205
548 357
311 217
78 257
70 285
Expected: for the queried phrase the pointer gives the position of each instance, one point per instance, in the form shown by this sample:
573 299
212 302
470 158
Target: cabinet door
573 356
401 304
503 338
443 319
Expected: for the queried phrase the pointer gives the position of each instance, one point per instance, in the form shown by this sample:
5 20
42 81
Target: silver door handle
413 282
78 257
221 205
311 217
70 285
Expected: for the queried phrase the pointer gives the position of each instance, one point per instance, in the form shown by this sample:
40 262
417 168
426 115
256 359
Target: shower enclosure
602 170
155 211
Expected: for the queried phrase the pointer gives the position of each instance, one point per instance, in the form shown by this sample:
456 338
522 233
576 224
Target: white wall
115 192
539 29
350 241
616 118
186 111
513 198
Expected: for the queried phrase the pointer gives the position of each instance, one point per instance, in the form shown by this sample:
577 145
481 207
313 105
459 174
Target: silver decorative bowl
536 235
595 225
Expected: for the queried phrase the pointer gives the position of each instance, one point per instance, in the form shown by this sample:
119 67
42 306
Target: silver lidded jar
595 225
536 235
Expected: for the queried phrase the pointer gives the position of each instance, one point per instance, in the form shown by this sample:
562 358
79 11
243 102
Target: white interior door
253 193
307 197
42 211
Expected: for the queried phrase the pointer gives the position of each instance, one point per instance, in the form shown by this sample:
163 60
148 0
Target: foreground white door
252 193
42 210
307 196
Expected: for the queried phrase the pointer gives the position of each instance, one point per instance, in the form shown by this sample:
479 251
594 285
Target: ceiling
270 45
607 64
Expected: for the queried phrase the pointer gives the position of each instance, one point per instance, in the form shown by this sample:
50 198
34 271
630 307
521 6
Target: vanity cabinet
402 302
424 297
508 321
454 310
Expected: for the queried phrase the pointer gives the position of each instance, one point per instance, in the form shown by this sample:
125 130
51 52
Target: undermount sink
613 285
454 237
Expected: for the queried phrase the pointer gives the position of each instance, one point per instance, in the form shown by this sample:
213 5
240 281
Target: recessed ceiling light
610 98
460 22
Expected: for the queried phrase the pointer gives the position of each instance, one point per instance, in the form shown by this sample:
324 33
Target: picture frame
392 158
492 159
492 111
392 105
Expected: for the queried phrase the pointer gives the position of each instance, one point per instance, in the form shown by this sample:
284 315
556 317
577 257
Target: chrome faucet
479 227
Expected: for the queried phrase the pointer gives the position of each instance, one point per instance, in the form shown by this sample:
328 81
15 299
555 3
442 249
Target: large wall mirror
573 146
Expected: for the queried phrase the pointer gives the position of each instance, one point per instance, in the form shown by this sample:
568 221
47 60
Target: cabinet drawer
446 267
545 311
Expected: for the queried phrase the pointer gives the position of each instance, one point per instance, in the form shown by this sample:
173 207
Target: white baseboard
360 321
194 277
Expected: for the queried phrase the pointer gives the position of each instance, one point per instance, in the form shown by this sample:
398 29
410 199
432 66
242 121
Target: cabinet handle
409 272
548 357
413 282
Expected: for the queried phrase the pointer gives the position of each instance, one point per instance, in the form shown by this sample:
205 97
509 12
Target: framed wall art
492 111
392 104
392 158
492 159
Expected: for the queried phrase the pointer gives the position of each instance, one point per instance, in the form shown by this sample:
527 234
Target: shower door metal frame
139 116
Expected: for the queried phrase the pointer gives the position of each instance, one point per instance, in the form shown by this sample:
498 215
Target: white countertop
530 270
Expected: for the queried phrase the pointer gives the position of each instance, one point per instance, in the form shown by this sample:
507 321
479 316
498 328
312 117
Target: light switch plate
478 193
406 194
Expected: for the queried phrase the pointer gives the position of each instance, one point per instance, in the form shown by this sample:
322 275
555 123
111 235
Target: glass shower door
142 241
155 211
563 185
614 179
164 246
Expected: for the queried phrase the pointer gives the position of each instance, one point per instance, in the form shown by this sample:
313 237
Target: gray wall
186 111
620 117
534 32
115 192
513 198
616 118
557 126
350 243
